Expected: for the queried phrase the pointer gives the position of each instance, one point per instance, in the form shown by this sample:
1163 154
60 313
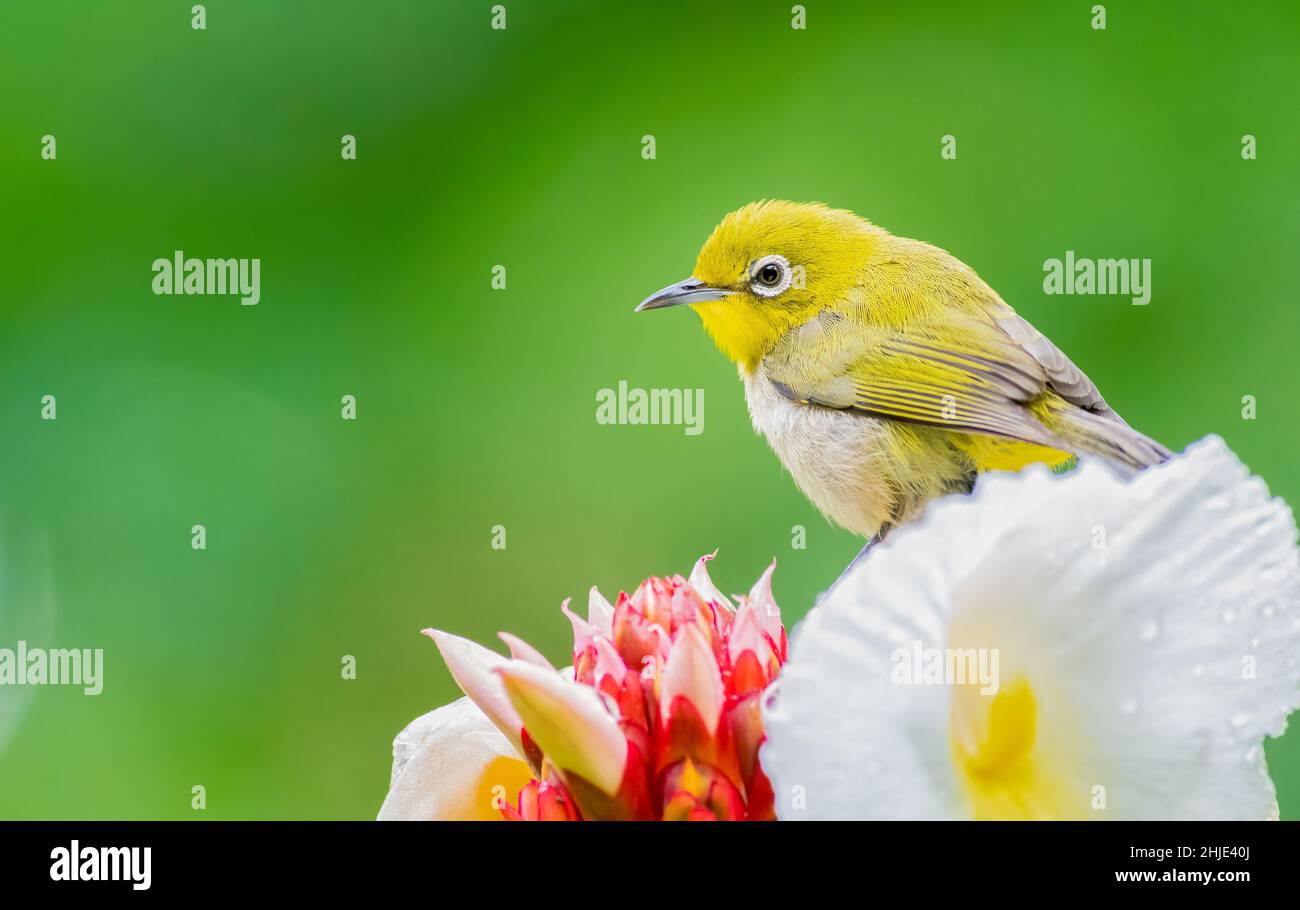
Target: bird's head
768 267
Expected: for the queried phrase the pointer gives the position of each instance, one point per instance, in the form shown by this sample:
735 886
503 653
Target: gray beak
692 290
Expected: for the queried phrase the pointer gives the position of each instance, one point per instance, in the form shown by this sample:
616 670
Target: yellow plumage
883 371
990 453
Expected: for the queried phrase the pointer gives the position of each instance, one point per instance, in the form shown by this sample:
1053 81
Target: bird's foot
857 560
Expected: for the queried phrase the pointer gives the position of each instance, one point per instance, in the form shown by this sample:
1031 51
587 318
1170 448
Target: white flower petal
522 650
1156 622
474 669
600 613
704 585
764 604
452 764
583 632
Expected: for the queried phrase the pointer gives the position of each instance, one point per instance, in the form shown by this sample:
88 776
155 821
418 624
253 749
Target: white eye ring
770 290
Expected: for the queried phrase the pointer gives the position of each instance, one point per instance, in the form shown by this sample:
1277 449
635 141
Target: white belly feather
836 458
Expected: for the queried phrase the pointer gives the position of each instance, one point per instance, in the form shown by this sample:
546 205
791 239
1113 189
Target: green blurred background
476 406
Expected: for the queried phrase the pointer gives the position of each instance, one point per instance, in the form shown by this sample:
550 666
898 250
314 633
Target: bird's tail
1109 437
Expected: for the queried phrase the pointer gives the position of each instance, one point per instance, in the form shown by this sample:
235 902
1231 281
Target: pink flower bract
660 718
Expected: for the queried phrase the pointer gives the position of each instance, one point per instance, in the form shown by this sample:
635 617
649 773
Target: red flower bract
661 719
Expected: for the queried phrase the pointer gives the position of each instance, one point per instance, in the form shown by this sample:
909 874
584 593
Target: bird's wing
969 377
1070 382
1091 425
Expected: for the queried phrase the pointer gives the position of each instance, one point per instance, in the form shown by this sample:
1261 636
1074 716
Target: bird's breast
839 460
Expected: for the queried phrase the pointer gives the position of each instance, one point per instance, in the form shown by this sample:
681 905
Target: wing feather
986 372
970 378
1070 382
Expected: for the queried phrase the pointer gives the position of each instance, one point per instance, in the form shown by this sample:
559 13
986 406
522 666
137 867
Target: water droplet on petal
1239 719
1128 705
1229 615
1150 630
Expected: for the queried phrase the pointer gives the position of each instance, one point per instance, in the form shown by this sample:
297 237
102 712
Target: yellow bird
883 371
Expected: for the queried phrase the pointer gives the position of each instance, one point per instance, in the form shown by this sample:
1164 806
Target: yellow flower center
1003 772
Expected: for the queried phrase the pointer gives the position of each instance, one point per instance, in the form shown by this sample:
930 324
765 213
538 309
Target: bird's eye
770 275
